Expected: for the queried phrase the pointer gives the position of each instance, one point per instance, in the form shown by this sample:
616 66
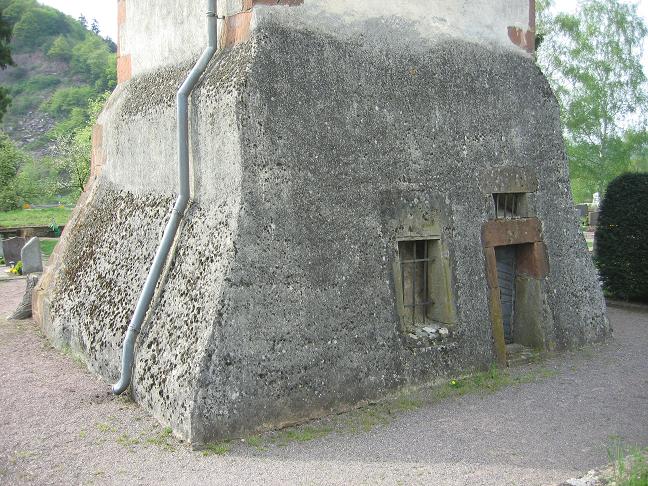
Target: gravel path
58 425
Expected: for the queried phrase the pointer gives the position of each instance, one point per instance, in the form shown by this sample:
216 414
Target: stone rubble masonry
315 144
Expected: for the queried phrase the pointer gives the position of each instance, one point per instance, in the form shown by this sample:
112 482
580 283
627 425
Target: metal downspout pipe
171 230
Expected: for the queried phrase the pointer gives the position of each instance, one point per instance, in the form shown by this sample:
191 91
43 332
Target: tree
36 181
95 27
593 61
61 49
112 47
37 25
591 173
83 21
11 159
65 100
15 9
5 60
6 30
639 157
75 152
93 60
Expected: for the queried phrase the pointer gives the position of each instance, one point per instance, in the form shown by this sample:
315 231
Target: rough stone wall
90 291
311 146
309 318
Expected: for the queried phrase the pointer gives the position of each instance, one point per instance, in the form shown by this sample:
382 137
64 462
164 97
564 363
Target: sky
572 5
105 11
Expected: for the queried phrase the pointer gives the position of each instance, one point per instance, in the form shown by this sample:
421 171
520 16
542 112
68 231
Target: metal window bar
507 205
426 260
516 199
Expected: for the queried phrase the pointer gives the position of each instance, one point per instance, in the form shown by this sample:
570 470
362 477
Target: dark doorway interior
506 273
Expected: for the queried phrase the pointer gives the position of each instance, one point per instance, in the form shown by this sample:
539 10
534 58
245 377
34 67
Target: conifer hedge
622 238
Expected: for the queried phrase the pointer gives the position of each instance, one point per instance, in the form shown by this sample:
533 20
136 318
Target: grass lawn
47 245
34 217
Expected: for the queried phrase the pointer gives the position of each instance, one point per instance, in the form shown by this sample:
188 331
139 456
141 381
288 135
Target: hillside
61 64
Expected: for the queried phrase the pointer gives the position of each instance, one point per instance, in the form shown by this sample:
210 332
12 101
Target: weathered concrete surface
308 148
60 426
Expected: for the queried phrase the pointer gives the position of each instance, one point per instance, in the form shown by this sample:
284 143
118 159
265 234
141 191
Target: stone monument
31 257
11 248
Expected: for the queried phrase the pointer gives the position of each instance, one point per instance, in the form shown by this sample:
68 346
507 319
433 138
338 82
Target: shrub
61 49
65 100
36 25
36 181
14 10
35 84
621 238
93 60
11 159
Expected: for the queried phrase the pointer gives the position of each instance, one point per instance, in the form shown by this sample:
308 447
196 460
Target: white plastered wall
159 33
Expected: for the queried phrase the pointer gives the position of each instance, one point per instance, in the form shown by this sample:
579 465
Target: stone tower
379 196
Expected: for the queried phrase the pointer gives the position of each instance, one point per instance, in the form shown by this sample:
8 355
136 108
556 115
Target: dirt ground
60 425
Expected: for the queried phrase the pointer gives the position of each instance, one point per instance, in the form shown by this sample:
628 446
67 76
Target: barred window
415 265
510 205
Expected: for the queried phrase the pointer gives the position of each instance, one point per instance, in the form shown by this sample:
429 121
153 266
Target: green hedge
622 238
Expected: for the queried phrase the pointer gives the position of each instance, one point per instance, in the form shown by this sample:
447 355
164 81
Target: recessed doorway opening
520 296
506 276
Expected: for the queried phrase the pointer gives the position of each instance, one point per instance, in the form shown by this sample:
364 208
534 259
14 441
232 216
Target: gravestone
596 199
11 248
582 210
31 257
593 218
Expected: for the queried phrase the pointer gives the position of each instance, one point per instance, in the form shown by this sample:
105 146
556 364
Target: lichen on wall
105 263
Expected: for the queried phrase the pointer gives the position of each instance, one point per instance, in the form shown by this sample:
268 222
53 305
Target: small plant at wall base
630 466
16 269
621 238
55 228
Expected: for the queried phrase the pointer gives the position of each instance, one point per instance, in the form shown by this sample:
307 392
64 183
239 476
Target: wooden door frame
531 260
